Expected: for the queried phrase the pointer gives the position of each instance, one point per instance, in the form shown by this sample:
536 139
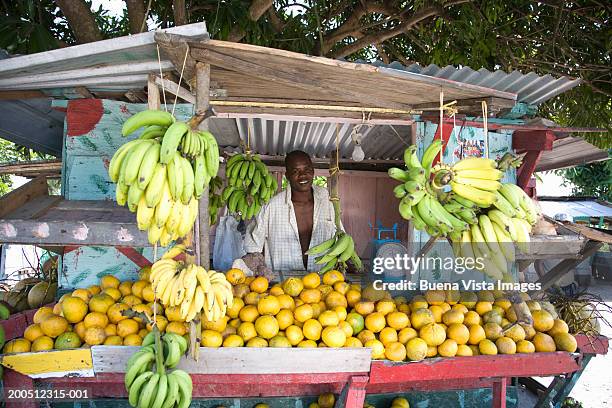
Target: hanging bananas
215 202
249 185
158 388
336 251
191 288
163 173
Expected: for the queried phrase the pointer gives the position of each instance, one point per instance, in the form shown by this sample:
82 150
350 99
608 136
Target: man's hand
257 263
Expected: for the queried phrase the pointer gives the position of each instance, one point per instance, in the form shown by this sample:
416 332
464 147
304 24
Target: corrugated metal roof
568 152
587 208
531 88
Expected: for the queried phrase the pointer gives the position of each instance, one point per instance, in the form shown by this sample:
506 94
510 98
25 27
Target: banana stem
159 351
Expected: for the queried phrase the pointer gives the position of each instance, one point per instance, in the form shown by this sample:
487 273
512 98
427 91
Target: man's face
300 174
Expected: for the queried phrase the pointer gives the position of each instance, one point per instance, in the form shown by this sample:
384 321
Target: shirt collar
318 193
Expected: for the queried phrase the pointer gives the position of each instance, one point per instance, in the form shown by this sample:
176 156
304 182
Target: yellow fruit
285 301
400 402
95 319
294 334
329 318
460 308
529 331
312 329
147 293
463 350
433 334
110 330
127 327
346 328
247 331
516 333
307 344
94 289
161 321
471 317
303 313
458 332
68 340
421 317
406 334
138 286
353 297
144 273
475 349
331 277
109 281
353 342
233 340
310 296
445 307
341 312
542 321
416 349
211 338
385 306
100 303
388 335
83 294
418 302
142 308
113 293
365 335
378 349
252 298
142 333
375 322
113 341
364 308
268 305
79 329
279 341
241 290
19 345
54 325
228 330
32 332
326 400
483 307
395 351
125 288
448 348
487 347
42 313
432 351
266 326
452 297
468 299
325 290
114 312
94 335
435 297
257 342
276 290
248 313
503 303
235 309
525 346
492 317
565 342
452 317
284 318
179 328
235 276
217 325
293 286
477 334
74 309
505 345
311 280
317 309
132 340
259 284
334 299
42 343
437 312
559 326
493 331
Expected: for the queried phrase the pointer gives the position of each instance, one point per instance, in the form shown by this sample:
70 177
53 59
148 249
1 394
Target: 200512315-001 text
50 394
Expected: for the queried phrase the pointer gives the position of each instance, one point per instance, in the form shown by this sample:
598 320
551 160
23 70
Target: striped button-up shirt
275 231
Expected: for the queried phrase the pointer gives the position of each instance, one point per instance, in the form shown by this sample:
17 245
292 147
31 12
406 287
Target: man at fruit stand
295 219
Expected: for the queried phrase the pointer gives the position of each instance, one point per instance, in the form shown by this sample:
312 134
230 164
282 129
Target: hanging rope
180 79
336 169
154 323
485 126
248 145
161 76
441 125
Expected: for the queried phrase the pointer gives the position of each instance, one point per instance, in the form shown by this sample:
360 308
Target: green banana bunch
335 252
215 202
249 185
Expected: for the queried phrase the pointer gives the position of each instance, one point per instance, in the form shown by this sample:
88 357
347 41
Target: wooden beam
473 105
175 89
47 167
533 140
17 198
530 162
21 95
202 104
153 93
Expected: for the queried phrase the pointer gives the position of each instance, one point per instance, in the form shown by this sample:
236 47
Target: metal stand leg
499 393
353 394
561 386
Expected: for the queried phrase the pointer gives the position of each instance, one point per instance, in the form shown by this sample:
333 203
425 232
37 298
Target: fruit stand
75 222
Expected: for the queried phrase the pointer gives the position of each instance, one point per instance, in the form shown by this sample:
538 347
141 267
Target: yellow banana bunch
163 173
249 185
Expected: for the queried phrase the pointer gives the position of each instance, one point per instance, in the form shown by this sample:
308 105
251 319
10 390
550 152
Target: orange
266 326
325 289
109 281
113 292
173 314
252 298
387 335
279 341
542 321
176 327
421 317
328 318
67 341
471 318
460 308
218 325
54 325
310 296
452 297
352 342
42 313
312 329
137 288
241 290
94 289
259 284
448 348
483 307
235 276
492 317
114 312
326 400
433 334
445 307
364 308
505 345
334 299
493 331
311 280
406 334
356 321
111 330
468 299
503 303
395 351
100 303
211 338
19 345
286 302
95 319
248 313
284 318
435 297
378 349
257 342
113 341
276 290
307 344
559 326
317 309
452 317
525 346
233 340
331 277
79 329
235 309
95 335
294 335
303 313
365 335
477 334
416 349
487 347
125 288
516 333
144 273
32 332
247 331
543 343
458 332
375 322
353 297
341 287
83 294
74 309
131 300
346 328
268 305
147 293
127 327
464 350
132 340
293 286
161 321
418 302
385 306
341 312
437 312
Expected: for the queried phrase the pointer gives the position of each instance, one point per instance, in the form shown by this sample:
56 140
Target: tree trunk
256 10
136 15
81 20
180 12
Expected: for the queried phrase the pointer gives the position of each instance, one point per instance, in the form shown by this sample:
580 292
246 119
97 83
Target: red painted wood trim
14 380
530 161
445 369
356 391
135 256
446 385
533 140
592 345
447 129
82 116
70 248
499 393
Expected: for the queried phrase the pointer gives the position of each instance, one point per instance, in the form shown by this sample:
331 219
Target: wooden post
332 186
153 93
499 392
202 222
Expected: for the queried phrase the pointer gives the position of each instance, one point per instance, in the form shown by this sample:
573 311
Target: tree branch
275 21
136 15
256 10
180 12
81 20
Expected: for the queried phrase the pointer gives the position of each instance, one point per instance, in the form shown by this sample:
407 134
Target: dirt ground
594 388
